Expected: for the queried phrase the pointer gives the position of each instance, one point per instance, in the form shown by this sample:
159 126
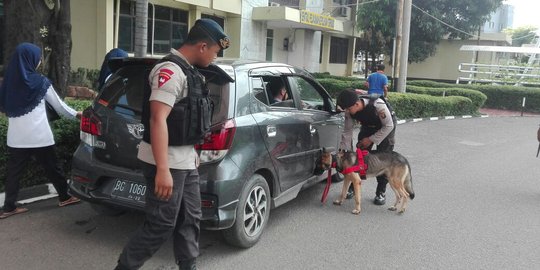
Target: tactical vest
369 117
190 118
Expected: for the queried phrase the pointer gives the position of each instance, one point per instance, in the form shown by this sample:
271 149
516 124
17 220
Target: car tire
252 214
337 177
107 210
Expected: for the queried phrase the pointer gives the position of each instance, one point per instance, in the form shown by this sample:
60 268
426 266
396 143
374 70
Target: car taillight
90 123
217 143
220 137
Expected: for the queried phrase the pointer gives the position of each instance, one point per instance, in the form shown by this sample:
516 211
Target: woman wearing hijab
105 71
22 98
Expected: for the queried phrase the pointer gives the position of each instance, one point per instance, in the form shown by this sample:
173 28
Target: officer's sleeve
386 120
165 80
346 135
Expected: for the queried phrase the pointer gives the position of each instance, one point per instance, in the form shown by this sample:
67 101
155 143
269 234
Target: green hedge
477 97
334 86
421 102
408 105
66 136
498 96
84 77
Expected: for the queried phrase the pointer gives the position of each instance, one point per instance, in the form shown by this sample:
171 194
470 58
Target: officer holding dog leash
378 127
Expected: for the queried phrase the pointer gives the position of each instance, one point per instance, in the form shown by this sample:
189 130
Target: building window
269 44
221 23
168 26
339 49
321 49
1 31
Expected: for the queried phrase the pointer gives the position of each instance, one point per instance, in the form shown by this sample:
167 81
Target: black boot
350 193
380 199
188 265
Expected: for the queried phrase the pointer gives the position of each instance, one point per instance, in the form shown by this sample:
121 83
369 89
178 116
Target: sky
526 12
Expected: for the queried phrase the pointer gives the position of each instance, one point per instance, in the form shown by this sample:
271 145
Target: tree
141 27
523 35
426 32
46 23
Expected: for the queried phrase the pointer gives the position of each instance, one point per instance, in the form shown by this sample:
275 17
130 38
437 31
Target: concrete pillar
325 59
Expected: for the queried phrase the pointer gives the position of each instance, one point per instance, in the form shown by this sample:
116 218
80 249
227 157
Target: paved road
477 207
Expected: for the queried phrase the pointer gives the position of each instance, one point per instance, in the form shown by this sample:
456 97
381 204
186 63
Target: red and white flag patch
164 76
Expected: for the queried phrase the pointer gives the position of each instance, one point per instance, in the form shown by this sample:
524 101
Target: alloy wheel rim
255 211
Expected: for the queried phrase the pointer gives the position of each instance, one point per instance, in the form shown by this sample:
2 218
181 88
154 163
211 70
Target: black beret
347 98
214 31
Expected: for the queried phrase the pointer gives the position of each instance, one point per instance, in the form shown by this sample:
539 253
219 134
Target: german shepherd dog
392 164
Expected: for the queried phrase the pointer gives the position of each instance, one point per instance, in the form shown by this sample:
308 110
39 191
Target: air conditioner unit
273 4
344 12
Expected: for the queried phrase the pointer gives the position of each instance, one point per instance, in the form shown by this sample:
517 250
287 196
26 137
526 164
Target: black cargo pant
387 145
178 217
18 159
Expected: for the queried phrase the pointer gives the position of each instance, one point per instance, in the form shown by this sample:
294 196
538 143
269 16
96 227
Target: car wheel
251 215
337 177
107 210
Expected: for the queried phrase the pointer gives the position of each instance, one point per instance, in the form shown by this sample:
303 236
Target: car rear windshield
124 93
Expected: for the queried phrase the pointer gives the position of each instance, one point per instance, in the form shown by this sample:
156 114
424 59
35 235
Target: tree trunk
141 27
49 27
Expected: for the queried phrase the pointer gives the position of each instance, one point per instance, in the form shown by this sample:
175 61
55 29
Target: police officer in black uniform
378 127
169 160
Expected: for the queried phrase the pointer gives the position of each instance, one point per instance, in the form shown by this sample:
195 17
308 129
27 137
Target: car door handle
312 129
271 131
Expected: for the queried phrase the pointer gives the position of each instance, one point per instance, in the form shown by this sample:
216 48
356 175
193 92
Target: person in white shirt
23 94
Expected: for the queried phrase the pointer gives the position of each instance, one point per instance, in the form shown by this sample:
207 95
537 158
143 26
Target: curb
450 117
47 191
33 194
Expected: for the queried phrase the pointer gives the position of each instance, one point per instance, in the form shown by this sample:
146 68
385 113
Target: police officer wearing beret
378 127
173 202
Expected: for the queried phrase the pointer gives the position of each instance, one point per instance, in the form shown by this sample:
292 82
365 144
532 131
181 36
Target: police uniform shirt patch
165 75
382 114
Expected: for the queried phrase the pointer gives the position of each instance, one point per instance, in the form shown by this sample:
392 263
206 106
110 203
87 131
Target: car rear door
284 129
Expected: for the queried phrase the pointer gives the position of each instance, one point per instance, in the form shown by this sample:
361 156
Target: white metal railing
502 74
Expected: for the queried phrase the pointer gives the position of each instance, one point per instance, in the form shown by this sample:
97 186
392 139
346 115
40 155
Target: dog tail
408 182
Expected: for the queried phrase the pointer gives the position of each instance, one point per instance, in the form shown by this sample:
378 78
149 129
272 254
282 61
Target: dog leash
328 183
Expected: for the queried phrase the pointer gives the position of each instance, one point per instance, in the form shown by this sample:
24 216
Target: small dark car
258 156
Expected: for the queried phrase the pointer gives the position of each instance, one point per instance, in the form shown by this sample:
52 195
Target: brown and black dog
392 164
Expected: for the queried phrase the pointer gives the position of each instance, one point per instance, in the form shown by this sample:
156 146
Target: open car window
272 91
310 98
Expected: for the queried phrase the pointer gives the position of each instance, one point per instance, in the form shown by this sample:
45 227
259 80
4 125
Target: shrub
66 136
408 105
477 97
334 86
84 77
498 96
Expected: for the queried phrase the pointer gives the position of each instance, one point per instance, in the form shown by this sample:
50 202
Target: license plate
129 190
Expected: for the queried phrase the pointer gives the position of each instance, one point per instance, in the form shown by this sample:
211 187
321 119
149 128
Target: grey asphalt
477 206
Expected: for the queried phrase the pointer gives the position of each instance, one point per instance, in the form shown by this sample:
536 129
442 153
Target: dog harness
361 166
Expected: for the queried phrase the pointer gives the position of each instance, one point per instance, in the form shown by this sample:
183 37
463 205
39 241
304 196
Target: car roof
227 66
